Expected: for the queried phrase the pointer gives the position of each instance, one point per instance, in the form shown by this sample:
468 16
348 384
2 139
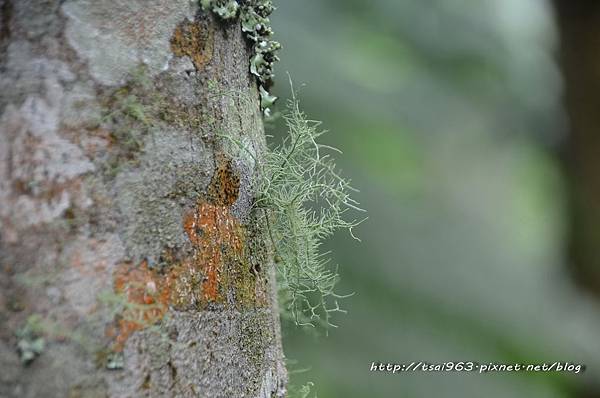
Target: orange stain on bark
215 234
194 39
217 238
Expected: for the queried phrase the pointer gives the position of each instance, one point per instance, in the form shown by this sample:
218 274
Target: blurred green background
449 115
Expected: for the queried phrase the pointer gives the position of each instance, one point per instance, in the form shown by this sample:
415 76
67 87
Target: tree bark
579 27
132 263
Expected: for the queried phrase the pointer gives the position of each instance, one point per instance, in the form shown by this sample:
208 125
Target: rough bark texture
579 26
125 219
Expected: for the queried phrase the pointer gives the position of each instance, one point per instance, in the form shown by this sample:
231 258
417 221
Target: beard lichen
303 201
256 26
306 201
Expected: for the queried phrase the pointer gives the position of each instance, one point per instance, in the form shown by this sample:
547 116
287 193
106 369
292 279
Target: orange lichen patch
216 235
194 39
146 298
224 187
217 239
215 271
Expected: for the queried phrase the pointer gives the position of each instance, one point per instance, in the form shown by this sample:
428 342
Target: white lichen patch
116 36
39 168
26 74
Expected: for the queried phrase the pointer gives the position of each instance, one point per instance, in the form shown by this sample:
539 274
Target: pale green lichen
304 201
256 26
30 341
266 100
261 63
225 9
307 201
115 361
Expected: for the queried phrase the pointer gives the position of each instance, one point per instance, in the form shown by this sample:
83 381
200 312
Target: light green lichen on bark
256 26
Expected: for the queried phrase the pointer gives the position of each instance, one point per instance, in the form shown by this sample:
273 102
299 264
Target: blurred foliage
448 116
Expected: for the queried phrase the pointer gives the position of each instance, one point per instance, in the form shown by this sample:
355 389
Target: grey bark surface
111 122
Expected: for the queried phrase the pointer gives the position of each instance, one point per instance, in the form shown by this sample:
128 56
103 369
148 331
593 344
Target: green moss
254 327
243 283
255 338
126 119
178 115
249 276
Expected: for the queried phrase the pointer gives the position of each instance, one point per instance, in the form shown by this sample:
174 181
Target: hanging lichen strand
303 201
255 23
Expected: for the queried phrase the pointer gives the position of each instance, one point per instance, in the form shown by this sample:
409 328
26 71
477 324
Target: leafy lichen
256 26
225 9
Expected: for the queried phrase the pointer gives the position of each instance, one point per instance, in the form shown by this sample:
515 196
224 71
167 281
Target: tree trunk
132 263
579 27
